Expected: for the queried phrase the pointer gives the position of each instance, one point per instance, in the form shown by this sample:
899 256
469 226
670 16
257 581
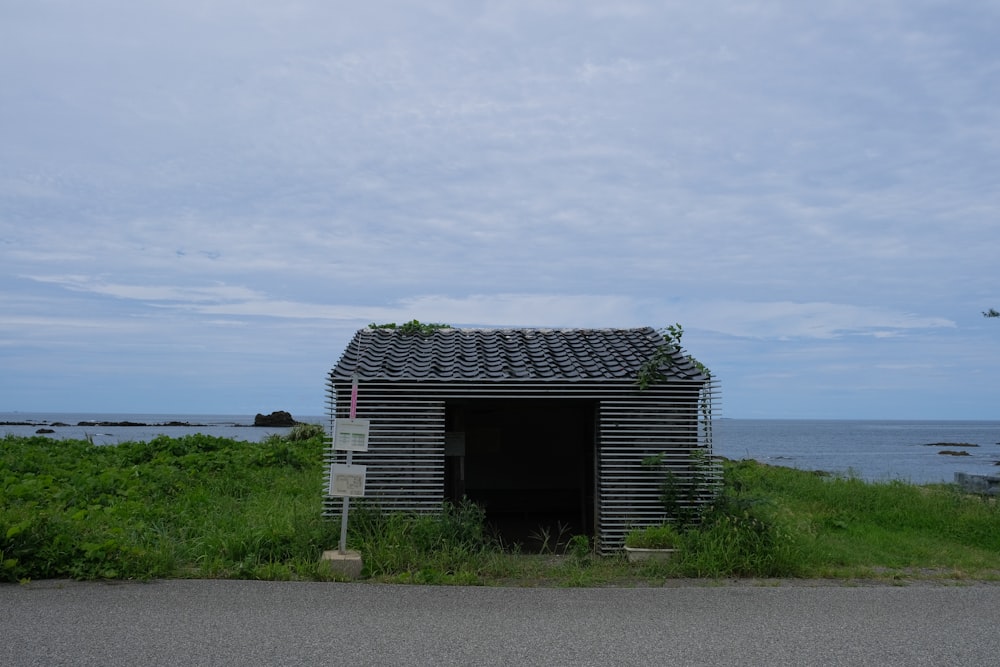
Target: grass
196 506
844 527
664 536
206 507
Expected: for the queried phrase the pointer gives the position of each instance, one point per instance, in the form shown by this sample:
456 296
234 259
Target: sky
202 201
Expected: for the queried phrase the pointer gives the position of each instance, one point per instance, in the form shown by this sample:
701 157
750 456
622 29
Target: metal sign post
348 480
343 515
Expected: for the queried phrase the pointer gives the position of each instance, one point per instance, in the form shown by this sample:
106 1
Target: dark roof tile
506 354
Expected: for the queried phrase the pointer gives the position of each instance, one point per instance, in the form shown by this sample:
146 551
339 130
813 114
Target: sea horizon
912 450
324 415
111 428
103 413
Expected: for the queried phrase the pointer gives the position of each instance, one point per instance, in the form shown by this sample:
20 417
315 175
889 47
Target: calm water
238 427
873 450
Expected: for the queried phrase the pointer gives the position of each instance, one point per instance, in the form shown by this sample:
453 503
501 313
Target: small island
279 418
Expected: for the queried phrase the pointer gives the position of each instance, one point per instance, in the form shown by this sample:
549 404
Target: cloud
792 183
766 320
527 310
623 70
150 293
787 320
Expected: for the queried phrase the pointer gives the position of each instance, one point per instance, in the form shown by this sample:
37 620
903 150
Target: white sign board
347 481
351 435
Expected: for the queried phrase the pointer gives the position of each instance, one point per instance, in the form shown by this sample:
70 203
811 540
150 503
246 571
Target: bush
740 534
741 544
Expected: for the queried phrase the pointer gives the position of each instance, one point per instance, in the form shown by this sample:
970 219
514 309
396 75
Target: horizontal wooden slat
406 448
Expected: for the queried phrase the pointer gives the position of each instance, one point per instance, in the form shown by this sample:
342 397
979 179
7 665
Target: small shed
537 425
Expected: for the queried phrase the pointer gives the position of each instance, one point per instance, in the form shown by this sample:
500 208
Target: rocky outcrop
984 484
277 418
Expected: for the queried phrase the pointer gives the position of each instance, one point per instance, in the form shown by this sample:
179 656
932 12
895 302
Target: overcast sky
201 201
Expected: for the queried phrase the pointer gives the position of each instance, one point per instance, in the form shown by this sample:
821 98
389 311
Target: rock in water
277 418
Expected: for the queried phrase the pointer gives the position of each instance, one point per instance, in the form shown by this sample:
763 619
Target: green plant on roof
652 370
412 328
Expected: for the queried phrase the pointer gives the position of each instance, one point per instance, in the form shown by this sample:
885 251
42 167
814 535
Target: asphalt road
263 623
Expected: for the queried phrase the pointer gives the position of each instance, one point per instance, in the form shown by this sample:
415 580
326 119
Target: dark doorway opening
528 463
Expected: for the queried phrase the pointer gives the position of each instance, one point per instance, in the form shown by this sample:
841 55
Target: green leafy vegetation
664 536
452 547
196 506
652 370
411 328
207 507
845 527
686 498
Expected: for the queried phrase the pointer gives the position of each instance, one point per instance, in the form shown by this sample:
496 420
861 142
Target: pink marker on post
354 397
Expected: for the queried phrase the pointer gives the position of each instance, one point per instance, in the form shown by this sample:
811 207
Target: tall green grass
196 506
452 547
844 526
200 506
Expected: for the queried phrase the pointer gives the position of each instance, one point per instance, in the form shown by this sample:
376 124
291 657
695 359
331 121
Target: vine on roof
663 357
412 328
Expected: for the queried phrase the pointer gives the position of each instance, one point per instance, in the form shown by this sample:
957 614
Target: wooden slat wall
635 428
406 447
405 457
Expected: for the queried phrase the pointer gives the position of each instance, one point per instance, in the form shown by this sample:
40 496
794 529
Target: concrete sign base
347 563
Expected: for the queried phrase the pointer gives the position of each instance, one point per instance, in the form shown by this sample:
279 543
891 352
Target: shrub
741 544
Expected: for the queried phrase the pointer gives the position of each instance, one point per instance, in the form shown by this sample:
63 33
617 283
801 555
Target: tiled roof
506 354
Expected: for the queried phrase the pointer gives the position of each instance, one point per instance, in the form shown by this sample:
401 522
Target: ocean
89 426
920 452
873 450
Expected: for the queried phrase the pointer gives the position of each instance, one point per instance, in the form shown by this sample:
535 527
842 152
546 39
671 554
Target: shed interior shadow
529 464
